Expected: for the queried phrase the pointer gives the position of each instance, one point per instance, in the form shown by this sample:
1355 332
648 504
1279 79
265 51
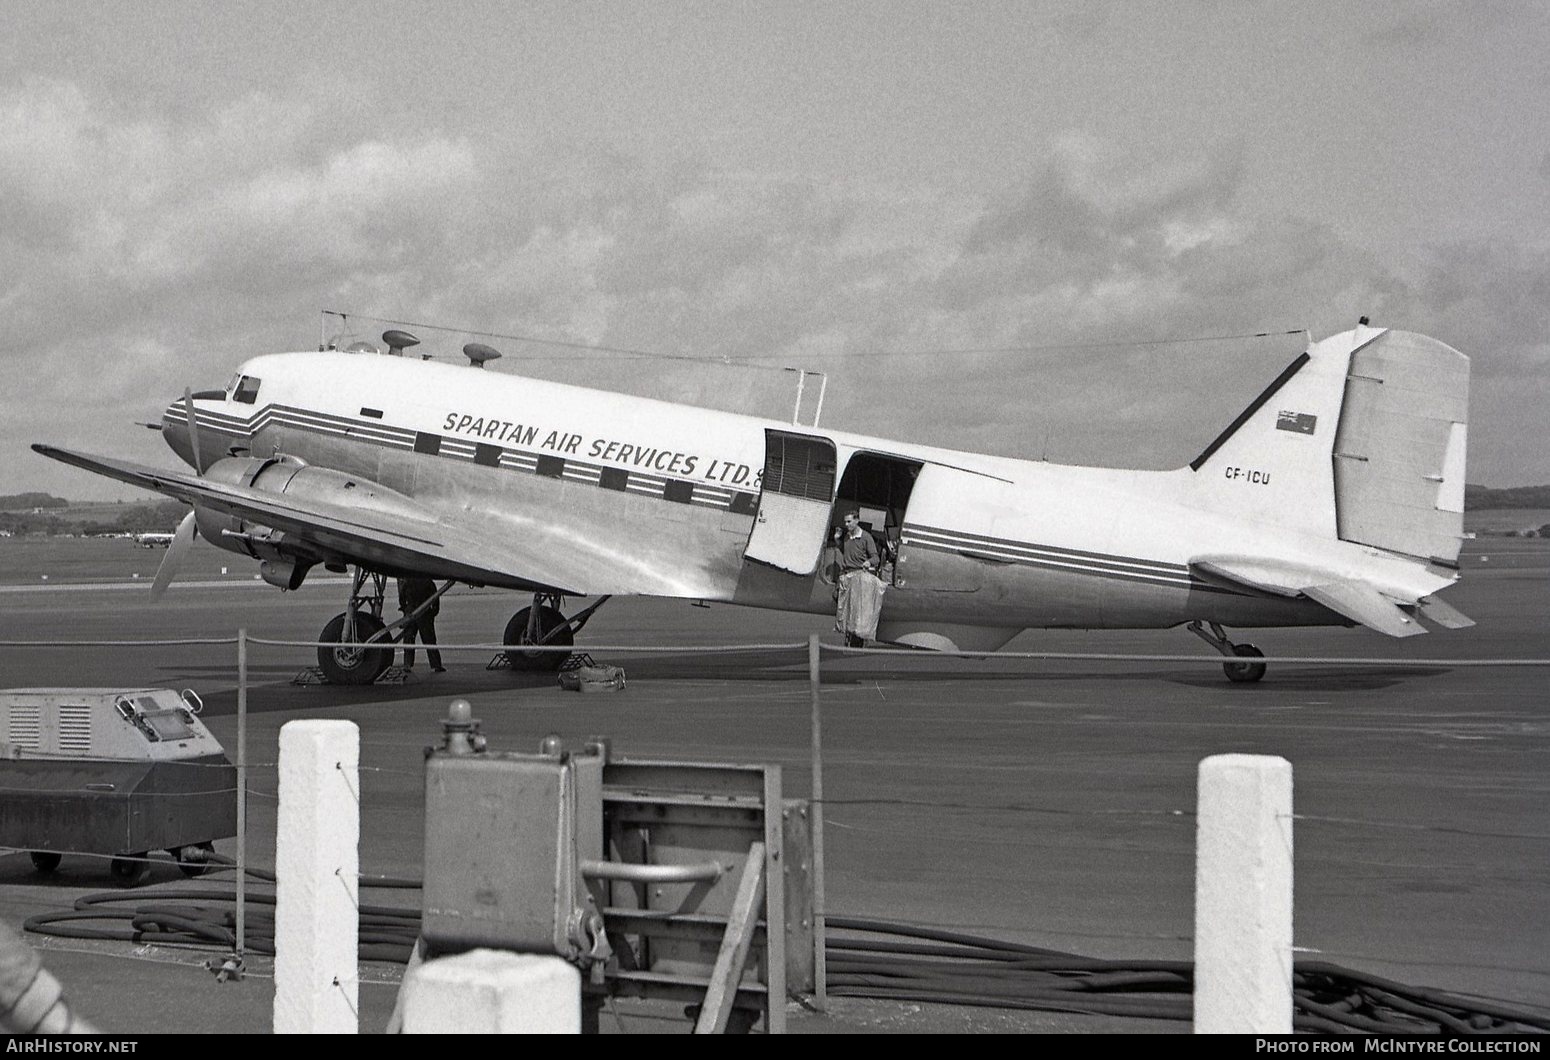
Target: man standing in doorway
412 592
860 593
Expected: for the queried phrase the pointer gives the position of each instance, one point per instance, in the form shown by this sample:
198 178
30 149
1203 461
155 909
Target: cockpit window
247 390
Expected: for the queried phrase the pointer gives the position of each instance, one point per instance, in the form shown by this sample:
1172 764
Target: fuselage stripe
963 539
1050 557
1090 570
450 446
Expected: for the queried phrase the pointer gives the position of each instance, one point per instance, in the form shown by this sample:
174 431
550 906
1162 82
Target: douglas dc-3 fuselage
1335 498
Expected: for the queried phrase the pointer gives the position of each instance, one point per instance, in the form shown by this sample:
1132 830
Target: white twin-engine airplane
1335 498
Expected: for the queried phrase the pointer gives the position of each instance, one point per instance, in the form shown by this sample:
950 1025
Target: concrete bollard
1243 896
317 867
492 992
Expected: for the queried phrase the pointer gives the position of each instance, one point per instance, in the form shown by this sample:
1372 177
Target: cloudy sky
1030 228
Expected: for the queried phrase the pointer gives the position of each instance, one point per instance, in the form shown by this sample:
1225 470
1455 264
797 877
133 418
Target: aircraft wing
1355 600
413 541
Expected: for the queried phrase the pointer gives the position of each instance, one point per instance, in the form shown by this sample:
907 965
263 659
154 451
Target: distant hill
84 519
1477 497
25 502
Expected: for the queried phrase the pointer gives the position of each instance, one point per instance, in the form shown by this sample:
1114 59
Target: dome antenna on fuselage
478 353
398 341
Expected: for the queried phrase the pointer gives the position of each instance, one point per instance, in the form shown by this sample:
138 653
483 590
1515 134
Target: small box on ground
593 679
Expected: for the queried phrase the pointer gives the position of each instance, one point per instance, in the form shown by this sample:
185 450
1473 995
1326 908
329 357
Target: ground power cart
113 773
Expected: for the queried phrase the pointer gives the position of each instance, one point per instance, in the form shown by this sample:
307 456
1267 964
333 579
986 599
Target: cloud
148 254
114 220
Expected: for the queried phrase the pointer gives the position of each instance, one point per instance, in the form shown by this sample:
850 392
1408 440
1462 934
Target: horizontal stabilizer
1434 610
1356 600
1361 603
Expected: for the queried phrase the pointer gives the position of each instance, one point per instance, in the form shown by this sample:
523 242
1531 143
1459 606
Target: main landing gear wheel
553 631
129 870
1237 672
353 665
1243 672
45 861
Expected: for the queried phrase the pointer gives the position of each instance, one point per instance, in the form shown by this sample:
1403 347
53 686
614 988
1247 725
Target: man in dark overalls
412 592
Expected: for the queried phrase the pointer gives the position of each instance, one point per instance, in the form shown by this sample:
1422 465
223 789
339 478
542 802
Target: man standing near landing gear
860 593
412 592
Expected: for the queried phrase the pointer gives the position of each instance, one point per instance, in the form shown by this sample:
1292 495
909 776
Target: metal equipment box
112 772
503 842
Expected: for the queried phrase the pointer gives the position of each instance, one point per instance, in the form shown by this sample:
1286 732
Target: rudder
1401 445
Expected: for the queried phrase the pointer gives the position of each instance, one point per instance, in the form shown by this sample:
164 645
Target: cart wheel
194 859
130 870
45 861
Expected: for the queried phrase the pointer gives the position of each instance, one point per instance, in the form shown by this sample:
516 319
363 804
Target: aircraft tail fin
1362 438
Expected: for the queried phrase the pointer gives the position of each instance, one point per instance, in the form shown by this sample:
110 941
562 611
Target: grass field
1498 520
69 560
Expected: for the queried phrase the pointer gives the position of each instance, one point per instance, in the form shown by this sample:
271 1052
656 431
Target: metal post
796 412
242 790
820 968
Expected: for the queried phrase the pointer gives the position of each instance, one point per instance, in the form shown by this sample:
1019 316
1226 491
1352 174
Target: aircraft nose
174 429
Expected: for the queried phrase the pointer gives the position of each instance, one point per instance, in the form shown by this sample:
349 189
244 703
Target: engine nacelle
231 532
285 559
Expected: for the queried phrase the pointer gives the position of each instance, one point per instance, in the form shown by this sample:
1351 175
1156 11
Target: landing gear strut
361 624
1241 672
543 624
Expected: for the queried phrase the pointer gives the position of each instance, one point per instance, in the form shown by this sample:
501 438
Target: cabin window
247 390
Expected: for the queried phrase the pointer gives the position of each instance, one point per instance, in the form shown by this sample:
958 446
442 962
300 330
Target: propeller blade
193 429
182 541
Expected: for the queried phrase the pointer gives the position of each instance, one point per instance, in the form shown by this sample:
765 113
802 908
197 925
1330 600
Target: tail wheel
45 861
1244 672
550 621
353 665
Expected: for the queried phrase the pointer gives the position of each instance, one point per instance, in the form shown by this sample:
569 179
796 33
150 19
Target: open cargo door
795 500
